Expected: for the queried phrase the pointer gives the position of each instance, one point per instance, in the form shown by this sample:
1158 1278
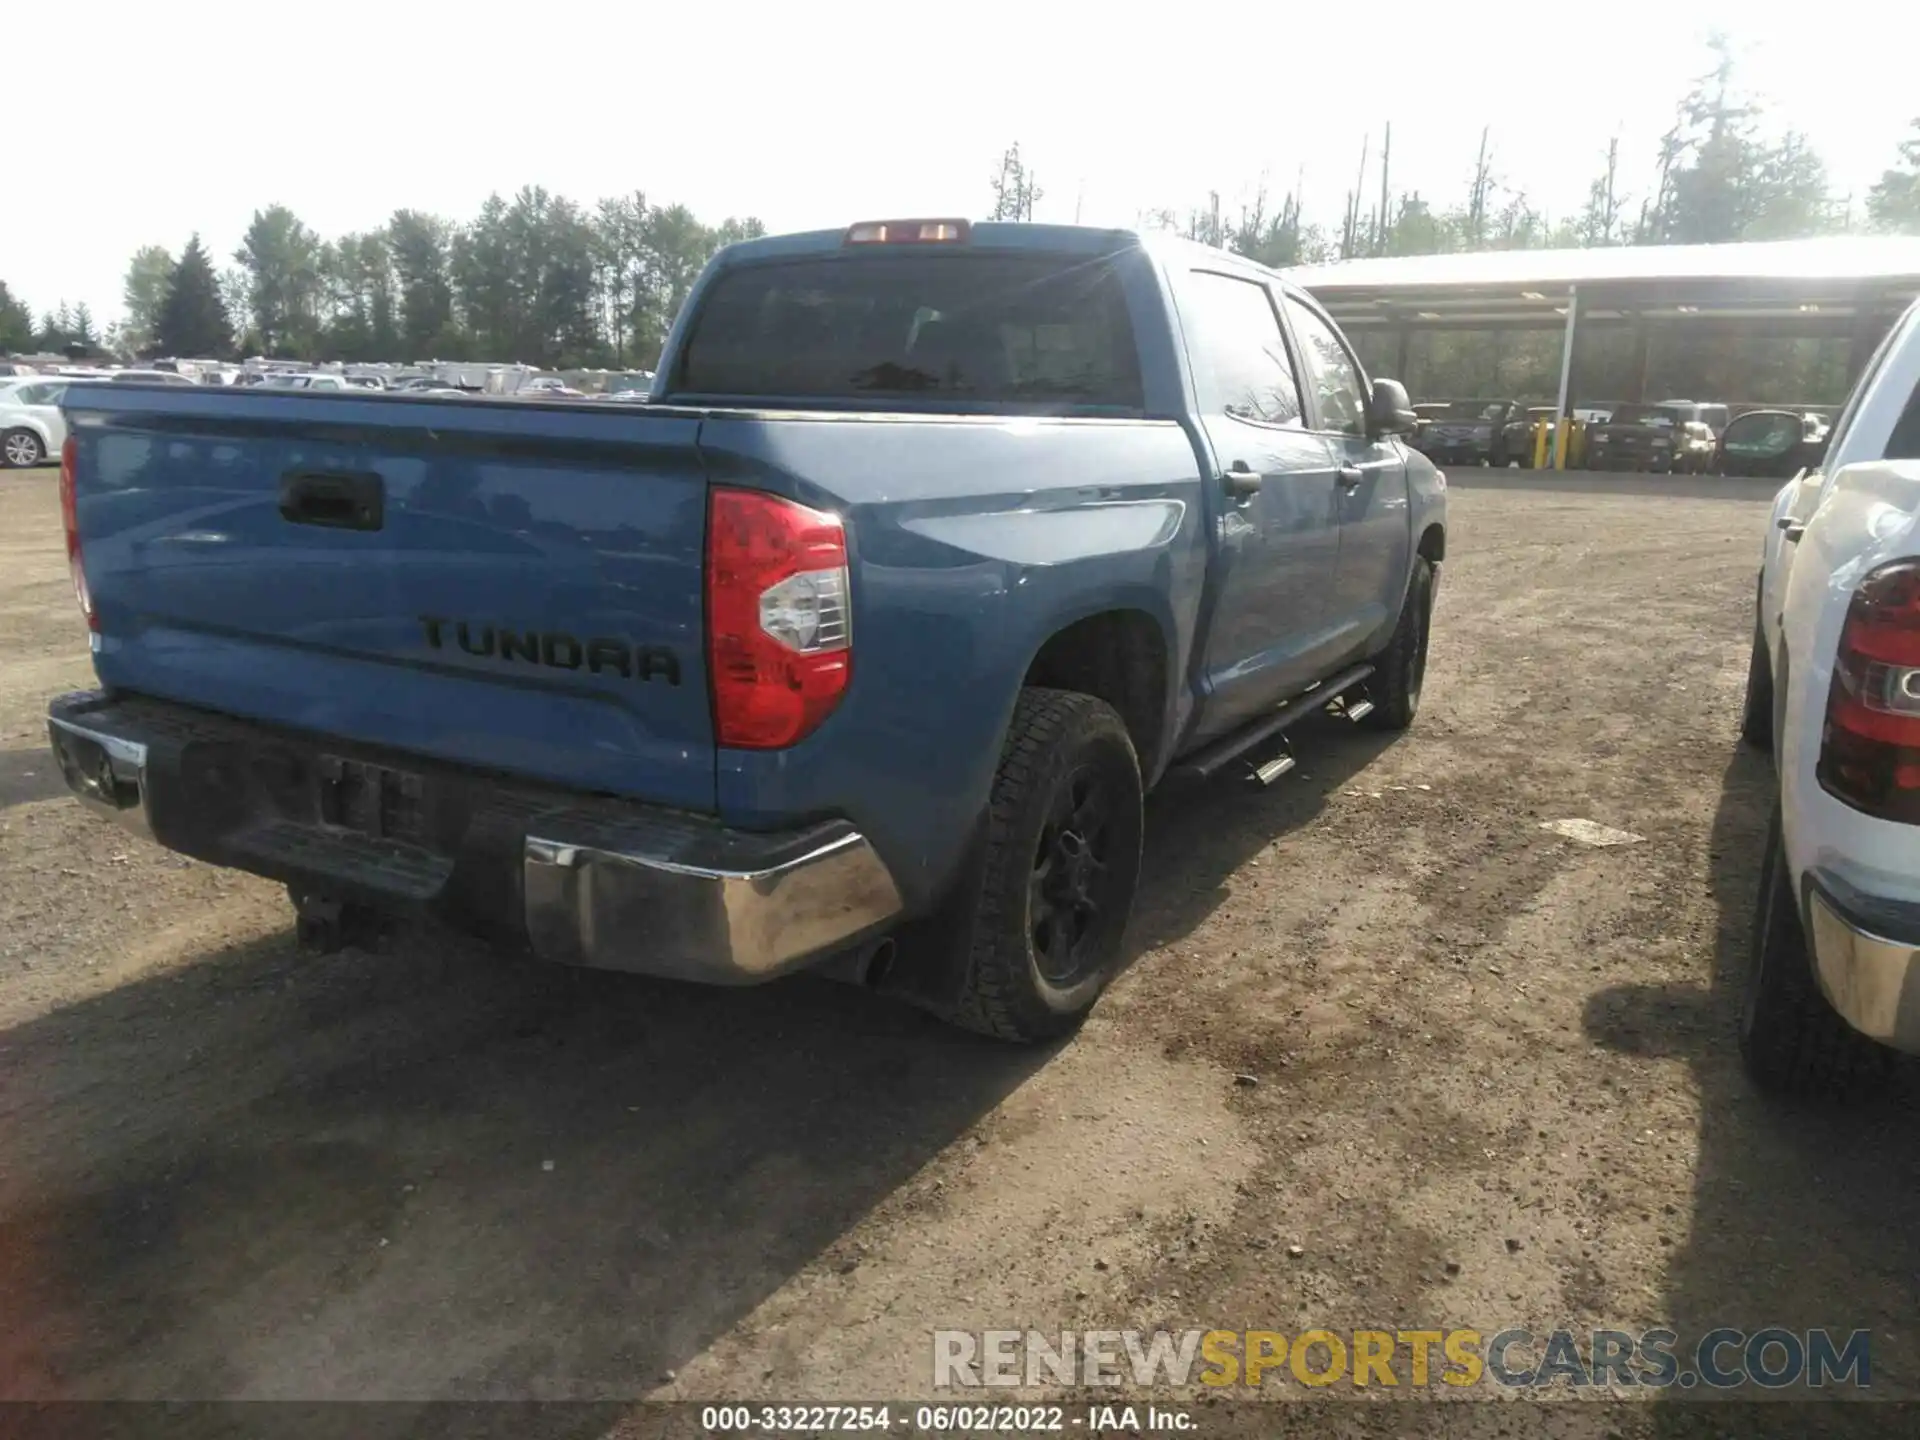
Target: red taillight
1870 750
779 621
70 518
908 232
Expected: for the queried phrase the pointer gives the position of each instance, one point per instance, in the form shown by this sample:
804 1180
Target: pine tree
16 322
193 320
144 292
1894 201
1014 191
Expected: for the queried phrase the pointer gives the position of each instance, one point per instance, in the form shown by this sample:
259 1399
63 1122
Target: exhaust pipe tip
879 964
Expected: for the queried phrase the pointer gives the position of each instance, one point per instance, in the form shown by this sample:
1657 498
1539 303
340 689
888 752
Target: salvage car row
1686 437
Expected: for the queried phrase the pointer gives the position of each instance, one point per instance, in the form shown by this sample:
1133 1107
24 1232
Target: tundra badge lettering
599 654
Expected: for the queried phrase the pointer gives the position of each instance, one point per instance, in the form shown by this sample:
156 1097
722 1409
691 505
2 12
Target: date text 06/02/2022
1722 1359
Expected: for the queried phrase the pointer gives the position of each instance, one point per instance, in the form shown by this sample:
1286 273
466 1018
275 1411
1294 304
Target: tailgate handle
340 499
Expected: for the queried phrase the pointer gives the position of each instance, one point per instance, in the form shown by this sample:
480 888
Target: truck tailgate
508 585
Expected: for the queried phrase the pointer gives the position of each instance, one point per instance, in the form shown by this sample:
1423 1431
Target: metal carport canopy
1808 284
1850 285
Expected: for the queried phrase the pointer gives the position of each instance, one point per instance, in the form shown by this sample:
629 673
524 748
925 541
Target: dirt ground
1494 1074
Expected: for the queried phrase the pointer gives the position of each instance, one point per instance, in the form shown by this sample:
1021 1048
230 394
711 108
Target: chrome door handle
1351 475
1241 480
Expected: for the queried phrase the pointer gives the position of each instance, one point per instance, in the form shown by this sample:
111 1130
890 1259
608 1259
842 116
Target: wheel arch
1118 655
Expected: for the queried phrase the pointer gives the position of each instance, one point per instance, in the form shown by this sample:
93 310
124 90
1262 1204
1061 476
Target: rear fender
969 547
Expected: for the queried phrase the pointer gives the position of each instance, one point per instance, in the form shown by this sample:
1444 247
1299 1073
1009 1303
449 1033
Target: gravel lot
1495 1082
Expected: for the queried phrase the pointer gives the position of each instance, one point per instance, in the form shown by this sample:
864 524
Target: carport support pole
1564 426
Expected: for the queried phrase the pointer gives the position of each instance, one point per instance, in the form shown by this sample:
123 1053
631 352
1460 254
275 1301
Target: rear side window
1031 331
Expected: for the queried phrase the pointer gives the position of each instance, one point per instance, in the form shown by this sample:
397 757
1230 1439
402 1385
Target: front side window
1332 372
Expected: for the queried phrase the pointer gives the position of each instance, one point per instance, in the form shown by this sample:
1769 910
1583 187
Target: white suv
1833 688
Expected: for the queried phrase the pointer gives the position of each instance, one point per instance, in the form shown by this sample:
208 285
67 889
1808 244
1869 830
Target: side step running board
1271 771
1212 758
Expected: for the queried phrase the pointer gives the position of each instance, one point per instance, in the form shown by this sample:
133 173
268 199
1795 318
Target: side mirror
1388 410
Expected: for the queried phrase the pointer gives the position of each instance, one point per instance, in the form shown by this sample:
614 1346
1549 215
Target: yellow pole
1562 434
1539 444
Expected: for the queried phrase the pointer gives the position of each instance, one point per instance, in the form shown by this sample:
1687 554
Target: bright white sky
152 121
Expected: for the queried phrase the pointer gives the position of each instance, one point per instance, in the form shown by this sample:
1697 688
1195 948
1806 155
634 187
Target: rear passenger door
1273 507
1370 574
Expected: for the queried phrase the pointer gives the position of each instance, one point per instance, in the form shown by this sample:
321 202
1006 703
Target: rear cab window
969 330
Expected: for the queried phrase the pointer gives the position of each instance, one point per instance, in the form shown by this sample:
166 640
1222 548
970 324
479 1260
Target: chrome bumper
628 908
587 881
107 771
1870 978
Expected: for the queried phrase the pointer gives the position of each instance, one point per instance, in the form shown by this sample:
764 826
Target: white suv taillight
1870 748
70 518
779 622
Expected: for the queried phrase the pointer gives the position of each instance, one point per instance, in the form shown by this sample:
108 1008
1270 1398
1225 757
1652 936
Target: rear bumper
584 880
1866 956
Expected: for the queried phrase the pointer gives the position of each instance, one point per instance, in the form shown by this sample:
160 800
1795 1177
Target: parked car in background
546 387
1833 692
1635 437
32 429
741 681
1770 444
1466 432
310 380
1714 417
1517 440
149 377
630 382
1694 447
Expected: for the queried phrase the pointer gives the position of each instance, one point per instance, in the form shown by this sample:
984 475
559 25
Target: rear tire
21 449
1400 670
1756 716
1791 1040
1062 862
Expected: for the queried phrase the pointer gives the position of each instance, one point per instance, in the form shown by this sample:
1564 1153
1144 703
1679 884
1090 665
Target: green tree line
535 278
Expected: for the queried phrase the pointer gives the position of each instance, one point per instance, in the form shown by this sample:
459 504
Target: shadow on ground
438 1173
1199 838
1802 1213
28 775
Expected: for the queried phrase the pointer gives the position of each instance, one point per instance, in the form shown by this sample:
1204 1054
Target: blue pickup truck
937 546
